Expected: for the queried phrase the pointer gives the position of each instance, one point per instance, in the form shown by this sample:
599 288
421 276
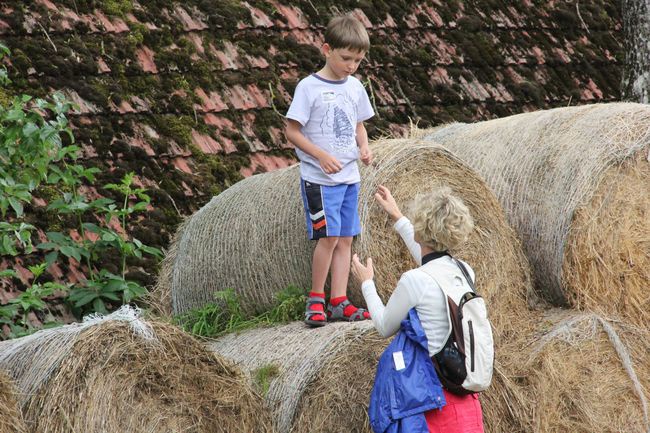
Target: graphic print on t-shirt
342 127
337 117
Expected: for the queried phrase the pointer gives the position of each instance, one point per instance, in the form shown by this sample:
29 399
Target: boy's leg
322 207
315 309
340 266
340 307
319 269
321 262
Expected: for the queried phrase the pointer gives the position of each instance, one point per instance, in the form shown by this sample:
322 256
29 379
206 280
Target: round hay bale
573 183
252 237
506 406
11 420
322 377
338 397
585 373
120 373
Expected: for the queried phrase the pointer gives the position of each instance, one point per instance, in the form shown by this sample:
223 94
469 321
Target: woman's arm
405 229
387 319
402 225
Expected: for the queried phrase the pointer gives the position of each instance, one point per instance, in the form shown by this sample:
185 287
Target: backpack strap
463 269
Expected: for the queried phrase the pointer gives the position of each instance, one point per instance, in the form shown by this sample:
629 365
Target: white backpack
465 364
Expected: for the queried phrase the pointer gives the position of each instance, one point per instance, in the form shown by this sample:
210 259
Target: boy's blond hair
441 220
345 31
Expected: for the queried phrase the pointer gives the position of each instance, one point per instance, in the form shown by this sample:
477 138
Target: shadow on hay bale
252 237
574 184
120 373
585 373
11 420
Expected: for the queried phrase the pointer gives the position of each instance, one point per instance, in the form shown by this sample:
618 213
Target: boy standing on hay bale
325 124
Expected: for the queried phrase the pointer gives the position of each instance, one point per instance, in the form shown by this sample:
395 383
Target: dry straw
574 184
11 420
121 373
586 373
252 237
323 376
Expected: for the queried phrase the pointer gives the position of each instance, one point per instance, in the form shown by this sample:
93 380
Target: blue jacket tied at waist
406 383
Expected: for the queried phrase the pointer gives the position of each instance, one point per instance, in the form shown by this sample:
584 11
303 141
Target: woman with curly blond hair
440 222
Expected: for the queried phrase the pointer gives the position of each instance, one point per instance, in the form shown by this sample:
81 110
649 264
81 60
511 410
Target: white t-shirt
329 112
417 289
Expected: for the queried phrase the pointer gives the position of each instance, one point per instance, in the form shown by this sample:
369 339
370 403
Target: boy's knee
344 242
329 242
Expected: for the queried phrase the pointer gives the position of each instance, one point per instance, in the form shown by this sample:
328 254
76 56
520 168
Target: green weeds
263 376
226 315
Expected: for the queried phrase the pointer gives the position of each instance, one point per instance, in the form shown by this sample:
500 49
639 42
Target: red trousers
461 414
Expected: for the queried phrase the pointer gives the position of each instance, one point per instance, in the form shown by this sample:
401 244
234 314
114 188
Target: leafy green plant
30 143
226 315
37 151
16 311
289 306
102 287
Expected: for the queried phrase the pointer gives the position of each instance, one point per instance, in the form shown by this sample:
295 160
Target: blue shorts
331 210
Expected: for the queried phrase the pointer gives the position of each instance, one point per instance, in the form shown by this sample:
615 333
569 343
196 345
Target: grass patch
225 315
264 375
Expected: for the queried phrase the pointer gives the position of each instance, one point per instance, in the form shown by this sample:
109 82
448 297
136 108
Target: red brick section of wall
191 95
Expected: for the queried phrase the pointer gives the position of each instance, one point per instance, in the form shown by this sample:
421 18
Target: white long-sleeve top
417 289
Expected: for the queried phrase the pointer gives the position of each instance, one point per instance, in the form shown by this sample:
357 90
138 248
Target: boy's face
342 61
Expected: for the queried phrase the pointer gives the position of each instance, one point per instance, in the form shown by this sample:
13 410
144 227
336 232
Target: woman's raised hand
386 200
360 272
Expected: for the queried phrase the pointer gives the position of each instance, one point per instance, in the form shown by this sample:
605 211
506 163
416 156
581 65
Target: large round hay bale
584 373
11 420
574 184
506 406
323 377
252 237
317 380
120 373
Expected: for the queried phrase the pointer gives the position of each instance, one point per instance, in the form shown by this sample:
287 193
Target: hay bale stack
11 420
123 374
585 373
323 376
574 184
252 237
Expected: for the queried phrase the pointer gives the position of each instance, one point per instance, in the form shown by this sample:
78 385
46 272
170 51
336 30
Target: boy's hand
366 154
329 164
386 200
360 272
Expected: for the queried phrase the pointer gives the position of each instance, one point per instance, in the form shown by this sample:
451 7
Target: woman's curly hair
440 219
